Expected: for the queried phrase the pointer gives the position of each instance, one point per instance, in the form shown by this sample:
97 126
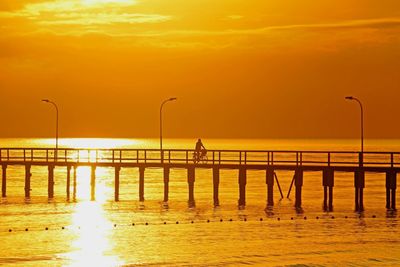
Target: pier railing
214 157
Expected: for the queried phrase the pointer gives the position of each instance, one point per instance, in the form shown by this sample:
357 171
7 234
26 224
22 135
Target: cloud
83 12
360 24
234 17
104 18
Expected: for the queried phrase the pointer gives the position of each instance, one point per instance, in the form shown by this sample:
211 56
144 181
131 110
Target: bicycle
200 157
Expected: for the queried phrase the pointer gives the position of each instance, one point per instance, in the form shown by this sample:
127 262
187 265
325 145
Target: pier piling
50 182
359 184
166 183
68 186
391 177
216 186
191 180
141 184
74 184
93 183
28 181
116 183
4 180
270 186
242 187
298 182
328 183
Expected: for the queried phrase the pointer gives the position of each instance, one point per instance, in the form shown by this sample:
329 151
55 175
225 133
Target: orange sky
250 68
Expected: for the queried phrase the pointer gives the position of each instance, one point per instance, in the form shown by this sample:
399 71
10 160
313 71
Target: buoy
373 216
47 228
192 221
333 217
208 221
147 223
165 222
317 217
26 229
177 222
261 219
305 217
221 220
245 219
63 228
115 225
133 224
345 217
291 218
279 219
9 230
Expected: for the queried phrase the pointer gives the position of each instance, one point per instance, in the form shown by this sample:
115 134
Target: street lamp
362 120
54 104
161 107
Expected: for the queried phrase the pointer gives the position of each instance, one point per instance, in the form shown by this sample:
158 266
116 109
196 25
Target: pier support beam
242 187
68 186
166 183
191 180
298 182
28 175
270 186
141 184
359 184
328 183
216 186
4 180
50 182
391 184
93 183
116 183
74 184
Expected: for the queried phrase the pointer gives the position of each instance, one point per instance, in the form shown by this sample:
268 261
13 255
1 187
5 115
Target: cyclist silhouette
200 151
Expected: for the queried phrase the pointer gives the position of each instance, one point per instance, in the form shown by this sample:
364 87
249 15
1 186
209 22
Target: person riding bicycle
200 150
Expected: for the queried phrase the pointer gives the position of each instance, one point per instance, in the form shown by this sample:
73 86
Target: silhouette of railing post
50 182
328 183
191 180
141 184
270 186
391 177
28 181
242 187
117 170
93 183
4 180
216 186
298 182
166 183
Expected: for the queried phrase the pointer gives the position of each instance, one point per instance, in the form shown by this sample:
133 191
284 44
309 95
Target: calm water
101 233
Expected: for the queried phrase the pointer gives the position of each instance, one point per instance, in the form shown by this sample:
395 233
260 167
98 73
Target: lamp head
172 99
349 97
45 100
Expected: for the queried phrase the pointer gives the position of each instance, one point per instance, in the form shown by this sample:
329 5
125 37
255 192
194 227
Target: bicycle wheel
194 158
204 159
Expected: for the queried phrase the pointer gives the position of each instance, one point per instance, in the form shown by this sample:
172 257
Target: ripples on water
106 233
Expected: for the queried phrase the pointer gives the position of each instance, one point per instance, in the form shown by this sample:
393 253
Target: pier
327 162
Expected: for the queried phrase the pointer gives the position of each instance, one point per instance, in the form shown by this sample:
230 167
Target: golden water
100 233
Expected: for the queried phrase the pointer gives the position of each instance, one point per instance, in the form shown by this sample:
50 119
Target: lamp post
55 105
362 120
161 107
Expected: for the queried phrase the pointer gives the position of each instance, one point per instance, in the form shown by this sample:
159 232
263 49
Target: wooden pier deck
328 162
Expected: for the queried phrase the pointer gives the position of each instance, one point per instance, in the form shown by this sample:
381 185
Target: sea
81 232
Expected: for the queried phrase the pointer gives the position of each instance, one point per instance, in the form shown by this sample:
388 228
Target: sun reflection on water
92 246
